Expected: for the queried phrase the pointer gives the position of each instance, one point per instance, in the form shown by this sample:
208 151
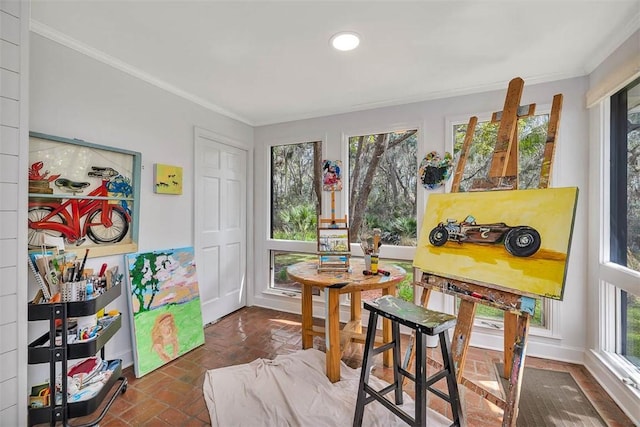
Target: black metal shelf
76 308
45 350
82 408
40 351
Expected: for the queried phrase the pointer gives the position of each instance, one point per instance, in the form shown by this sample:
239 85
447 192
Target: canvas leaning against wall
517 241
165 306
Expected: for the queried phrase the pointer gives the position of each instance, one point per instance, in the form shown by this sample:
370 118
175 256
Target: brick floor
172 394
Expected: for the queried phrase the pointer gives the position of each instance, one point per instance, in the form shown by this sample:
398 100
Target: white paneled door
220 226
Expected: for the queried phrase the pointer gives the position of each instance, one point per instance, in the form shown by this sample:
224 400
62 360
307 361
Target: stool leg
367 361
421 379
397 378
452 385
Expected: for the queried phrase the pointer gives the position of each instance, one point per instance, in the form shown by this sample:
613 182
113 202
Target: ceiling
266 62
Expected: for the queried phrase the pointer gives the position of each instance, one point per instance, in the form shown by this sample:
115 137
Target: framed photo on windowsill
82 194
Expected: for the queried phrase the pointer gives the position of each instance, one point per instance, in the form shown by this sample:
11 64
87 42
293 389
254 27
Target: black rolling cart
45 349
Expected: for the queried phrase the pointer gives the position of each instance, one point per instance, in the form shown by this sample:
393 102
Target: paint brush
376 240
81 269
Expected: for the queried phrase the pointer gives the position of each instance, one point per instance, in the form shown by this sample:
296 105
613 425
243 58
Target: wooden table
335 283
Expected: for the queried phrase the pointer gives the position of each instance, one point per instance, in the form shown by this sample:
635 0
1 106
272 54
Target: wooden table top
307 273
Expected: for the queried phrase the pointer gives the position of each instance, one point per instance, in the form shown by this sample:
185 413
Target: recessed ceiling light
345 41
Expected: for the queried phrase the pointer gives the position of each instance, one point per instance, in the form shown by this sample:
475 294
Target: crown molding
63 39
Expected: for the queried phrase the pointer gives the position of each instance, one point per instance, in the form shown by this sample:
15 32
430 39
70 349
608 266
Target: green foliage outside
633 329
491 313
295 191
532 136
383 184
405 288
633 313
297 223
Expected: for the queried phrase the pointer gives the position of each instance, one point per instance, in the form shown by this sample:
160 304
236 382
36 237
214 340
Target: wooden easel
518 309
333 261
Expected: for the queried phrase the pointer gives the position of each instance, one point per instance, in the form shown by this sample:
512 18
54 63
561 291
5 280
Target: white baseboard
542 347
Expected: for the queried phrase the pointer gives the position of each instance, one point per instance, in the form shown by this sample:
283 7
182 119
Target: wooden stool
424 322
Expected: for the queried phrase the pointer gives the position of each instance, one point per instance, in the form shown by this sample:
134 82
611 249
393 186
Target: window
295 208
532 136
382 187
382 183
295 190
624 227
280 260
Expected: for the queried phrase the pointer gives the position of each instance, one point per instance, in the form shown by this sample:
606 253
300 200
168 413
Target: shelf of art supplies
87 307
57 349
39 350
84 407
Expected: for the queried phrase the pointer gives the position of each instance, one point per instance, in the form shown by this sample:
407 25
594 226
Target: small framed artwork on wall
167 179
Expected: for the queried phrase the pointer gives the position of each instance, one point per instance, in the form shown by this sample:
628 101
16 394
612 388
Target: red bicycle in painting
93 215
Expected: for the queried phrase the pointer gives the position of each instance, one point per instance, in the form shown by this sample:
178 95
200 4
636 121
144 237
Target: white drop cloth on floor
293 390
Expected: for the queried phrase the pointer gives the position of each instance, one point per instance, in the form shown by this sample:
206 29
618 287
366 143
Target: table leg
332 332
307 316
356 310
387 356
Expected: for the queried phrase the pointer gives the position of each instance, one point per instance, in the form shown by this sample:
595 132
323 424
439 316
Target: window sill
282 293
621 368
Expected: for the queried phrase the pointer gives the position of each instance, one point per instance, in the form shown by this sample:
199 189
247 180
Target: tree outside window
383 185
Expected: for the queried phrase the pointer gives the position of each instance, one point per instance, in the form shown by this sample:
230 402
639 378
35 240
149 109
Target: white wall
75 96
14 71
433 119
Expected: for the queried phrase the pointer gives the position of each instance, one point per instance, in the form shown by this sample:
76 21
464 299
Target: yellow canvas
167 179
512 240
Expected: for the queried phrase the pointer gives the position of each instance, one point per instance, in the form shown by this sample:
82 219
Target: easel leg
387 356
515 379
332 338
510 329
307 317
462 335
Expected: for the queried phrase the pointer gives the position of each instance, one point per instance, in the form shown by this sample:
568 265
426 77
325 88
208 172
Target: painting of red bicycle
87 200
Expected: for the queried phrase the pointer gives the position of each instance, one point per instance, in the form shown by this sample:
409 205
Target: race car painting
520 241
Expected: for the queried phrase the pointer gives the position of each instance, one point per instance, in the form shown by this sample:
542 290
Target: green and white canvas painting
166 317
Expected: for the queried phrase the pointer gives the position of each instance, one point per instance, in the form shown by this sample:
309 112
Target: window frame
614 277
609 277
272 245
